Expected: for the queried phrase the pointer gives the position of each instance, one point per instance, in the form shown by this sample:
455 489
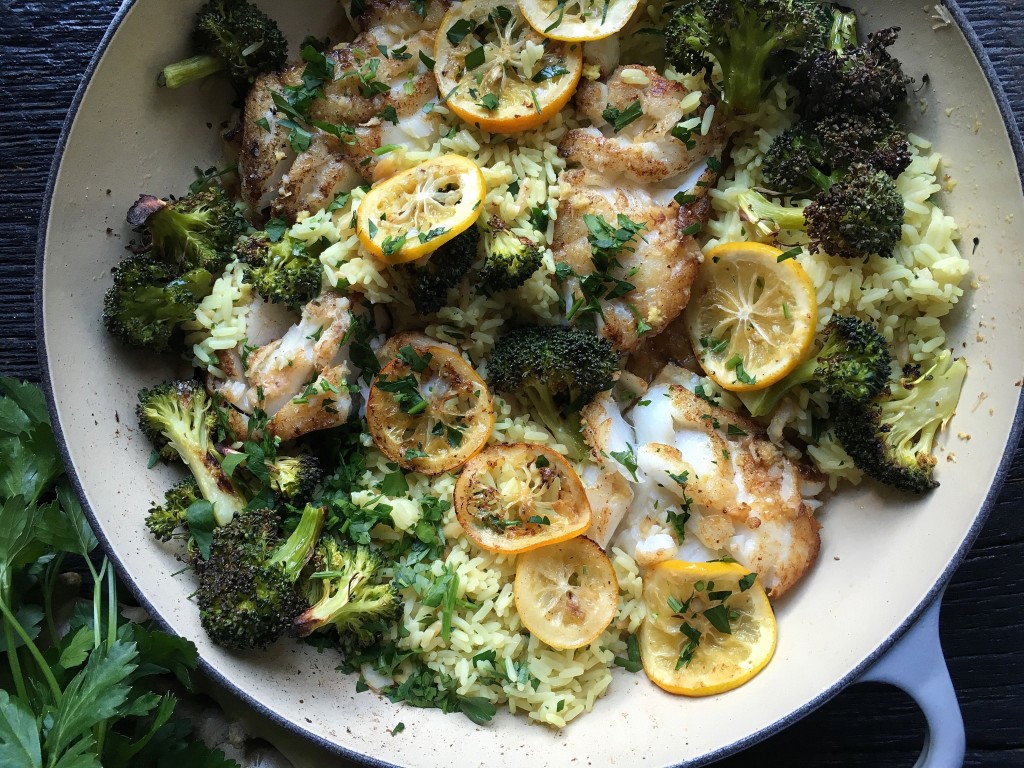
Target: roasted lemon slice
517 497
428 410
495 71
418 210
751 316
709 627
578 20
566 593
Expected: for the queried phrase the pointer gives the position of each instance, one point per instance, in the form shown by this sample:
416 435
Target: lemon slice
709 627
578 20
428 410
751 316
495 71
418 210
517 497
566 593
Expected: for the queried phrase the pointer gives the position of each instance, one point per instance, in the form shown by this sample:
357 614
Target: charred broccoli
853 364
345 593
891 438
280 267
230 36
855 79
859 215
164 520
429 280
753 41
185 246
509 259
820 152
149 301
557 371
275 479
249 591
196 231
178 419
294 478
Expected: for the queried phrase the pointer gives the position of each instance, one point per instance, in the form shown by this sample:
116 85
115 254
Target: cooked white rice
220 319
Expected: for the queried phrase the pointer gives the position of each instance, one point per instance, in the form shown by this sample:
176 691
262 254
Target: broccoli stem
297 549
763 402
913 419
743 66
819 178
189 70
191 440
566 430
768 216
843 34
211 479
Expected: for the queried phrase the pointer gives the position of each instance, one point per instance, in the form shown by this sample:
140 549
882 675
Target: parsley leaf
621 118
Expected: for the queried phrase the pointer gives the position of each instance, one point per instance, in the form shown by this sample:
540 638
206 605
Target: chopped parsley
606 243
627 458
392 244
488 101
549 72
406 392
474 58
792 253
718 617
621 118
631 662
458 31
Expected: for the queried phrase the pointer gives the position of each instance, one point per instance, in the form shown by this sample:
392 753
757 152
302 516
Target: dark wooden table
45 47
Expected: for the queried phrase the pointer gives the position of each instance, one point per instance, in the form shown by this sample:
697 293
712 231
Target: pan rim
1014 438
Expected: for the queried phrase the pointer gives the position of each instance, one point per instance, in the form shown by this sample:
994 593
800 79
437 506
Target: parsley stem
12 659
97 625
101 727
111 608
52 572
12 623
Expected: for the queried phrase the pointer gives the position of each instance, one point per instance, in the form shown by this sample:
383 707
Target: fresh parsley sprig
81 696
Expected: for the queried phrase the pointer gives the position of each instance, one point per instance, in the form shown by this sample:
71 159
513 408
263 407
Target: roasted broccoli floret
163 520
178 419
853 364
856 79
184 248
509 259
280 267
753 41
429 280
891 438
345 593
294 478
196 231
149 301
230 36
249 592
817 153
557 371
859 215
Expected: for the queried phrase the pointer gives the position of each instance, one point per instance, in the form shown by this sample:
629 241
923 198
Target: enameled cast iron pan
883 559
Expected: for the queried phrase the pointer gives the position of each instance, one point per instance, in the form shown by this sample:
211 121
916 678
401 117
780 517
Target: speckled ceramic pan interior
882 556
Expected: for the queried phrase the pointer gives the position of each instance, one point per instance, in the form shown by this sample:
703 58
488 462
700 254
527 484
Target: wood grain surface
45 47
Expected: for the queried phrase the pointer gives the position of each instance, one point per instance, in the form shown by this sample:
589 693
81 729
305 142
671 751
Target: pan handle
916 664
